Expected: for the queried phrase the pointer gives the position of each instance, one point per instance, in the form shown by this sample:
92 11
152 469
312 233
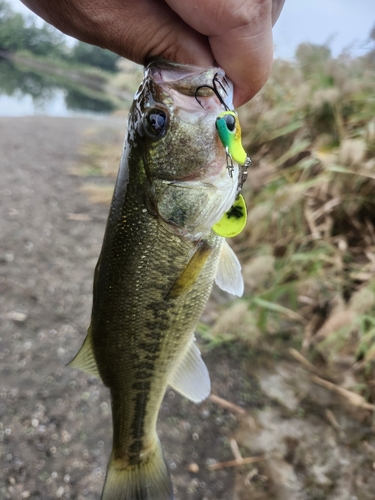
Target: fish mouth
192 88
193 97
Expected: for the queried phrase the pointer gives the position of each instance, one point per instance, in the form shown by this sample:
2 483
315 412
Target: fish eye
230 121
155 122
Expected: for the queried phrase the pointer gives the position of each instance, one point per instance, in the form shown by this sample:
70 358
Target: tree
95 56
12 29
18 33
45 40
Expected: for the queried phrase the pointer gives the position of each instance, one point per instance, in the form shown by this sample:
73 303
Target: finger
246 53
136 30
240 36
277 6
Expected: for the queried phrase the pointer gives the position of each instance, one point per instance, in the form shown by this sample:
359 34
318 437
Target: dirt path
55 422
46 269
55 428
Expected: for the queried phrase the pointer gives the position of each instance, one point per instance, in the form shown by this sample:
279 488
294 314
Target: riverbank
92 78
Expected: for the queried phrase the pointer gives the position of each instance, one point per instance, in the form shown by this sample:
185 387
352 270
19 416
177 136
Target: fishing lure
229 130
228 126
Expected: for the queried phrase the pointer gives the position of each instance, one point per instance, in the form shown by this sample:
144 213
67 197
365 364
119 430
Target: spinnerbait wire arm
242 174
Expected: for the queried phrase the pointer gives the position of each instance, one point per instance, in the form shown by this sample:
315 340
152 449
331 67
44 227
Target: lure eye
230 121
155 122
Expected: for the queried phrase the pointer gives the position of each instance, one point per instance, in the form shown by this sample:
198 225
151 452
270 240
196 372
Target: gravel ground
55 428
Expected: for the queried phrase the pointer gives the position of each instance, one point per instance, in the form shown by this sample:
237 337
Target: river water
25 92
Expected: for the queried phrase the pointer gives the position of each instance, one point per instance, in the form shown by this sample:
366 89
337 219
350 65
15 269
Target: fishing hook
214 88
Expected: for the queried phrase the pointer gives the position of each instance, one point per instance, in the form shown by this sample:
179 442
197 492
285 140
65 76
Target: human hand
233 34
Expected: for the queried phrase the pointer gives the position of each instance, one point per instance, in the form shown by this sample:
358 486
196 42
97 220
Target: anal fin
229 277
191 377
84 359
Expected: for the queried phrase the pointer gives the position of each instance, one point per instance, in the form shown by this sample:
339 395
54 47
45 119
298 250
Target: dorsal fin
191 378
229 276
84 359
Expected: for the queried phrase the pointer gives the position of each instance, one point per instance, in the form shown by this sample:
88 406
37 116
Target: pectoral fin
84 359
191 378
229 276
191 272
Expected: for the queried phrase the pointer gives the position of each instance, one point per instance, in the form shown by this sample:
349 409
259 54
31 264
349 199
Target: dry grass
308 250
309 246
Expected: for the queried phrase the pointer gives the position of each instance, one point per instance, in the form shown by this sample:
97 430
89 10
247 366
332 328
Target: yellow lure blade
232 222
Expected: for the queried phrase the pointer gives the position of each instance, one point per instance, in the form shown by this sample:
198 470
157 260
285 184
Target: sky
345 23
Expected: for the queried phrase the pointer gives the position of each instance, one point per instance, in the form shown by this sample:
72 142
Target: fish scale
140 285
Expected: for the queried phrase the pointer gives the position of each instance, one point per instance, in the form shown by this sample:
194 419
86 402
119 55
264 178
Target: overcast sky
346 23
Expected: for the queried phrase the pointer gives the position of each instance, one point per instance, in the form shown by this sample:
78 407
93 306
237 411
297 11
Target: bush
18 33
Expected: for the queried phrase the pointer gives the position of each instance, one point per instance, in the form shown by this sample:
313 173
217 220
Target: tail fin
149 480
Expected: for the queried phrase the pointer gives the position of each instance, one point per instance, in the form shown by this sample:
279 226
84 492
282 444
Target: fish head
172 132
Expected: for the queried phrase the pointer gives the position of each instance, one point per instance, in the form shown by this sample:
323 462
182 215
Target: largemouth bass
159 259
